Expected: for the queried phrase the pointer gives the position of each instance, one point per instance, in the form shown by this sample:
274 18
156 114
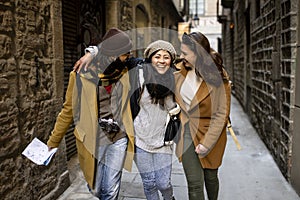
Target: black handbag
172 130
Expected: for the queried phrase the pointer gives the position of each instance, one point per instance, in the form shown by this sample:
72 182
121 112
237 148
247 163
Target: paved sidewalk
248 174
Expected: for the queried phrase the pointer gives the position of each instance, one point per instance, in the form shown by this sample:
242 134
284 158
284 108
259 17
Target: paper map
37 152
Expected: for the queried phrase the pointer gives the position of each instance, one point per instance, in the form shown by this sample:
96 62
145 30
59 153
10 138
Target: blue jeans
155 170
109 169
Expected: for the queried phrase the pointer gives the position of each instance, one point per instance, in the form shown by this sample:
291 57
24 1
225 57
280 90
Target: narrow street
246 174
258 41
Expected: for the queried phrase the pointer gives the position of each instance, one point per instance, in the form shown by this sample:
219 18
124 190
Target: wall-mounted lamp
196 20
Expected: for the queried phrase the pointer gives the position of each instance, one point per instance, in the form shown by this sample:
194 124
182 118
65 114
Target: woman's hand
83 62
50 148
201 150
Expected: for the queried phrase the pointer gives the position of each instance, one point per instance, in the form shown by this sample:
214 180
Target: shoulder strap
229 126
98 98
136 90
141 75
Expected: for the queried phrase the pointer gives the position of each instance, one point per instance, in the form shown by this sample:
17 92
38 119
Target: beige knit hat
160 45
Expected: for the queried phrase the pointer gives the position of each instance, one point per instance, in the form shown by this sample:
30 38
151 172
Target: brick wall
272 60
273 53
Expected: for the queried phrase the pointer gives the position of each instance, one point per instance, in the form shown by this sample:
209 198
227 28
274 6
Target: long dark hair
209 63
158 85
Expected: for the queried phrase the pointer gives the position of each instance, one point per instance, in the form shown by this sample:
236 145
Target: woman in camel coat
203 93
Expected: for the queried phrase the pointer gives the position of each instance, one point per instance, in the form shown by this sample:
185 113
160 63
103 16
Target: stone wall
29 95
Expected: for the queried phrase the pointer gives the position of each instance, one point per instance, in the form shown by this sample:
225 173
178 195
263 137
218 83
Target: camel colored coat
207 118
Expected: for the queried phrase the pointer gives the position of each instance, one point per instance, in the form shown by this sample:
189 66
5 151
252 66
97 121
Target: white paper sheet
37 152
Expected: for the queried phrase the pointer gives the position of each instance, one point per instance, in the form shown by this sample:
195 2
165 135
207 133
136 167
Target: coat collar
203 91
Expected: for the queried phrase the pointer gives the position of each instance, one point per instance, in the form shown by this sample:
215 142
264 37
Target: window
197 5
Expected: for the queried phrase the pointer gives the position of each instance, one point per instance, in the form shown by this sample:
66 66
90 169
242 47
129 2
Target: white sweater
189 88
150 125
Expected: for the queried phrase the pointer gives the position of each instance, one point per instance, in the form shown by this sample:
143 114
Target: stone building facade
31 57
40 41
207 23
260 42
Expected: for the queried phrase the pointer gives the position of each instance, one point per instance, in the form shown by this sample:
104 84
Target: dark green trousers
196 176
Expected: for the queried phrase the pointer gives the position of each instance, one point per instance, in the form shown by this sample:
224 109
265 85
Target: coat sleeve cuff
93 50
175 110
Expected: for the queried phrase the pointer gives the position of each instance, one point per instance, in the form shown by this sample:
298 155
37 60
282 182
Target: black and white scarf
158 85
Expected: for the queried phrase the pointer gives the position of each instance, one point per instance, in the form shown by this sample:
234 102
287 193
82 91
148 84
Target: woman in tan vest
96 101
